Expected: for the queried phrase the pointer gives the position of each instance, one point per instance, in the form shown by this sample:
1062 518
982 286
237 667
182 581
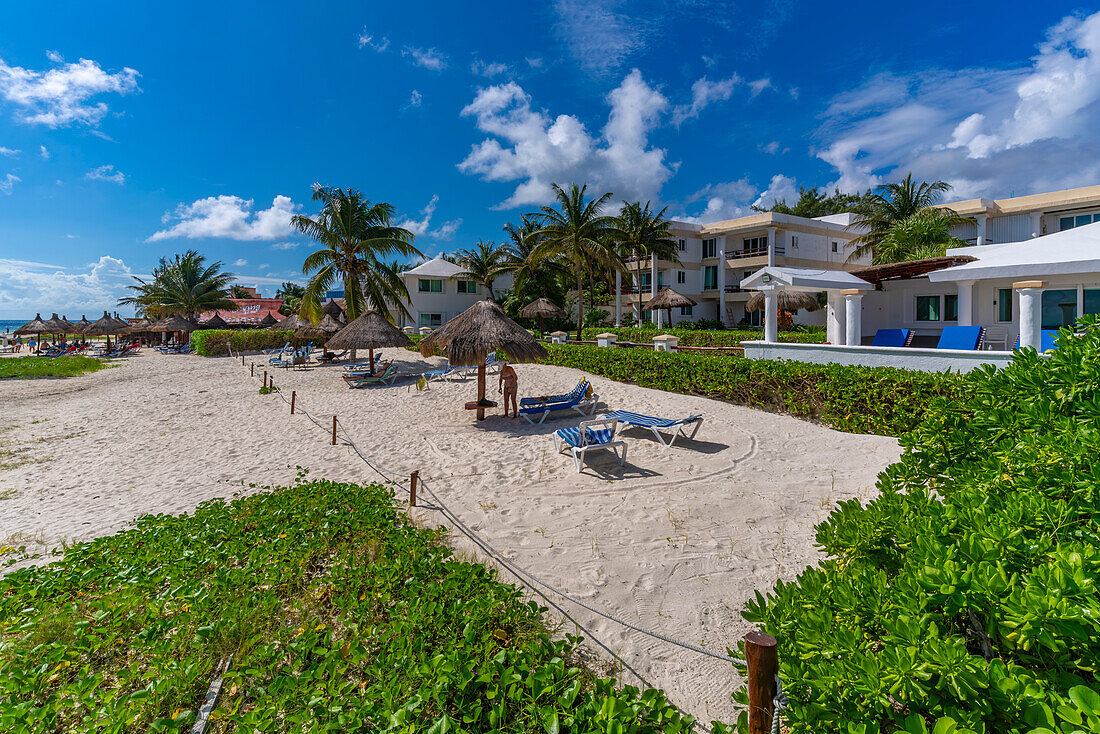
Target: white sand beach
676 540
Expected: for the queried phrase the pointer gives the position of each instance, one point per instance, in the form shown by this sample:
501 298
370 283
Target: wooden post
481 390
242 360
762 657
252 370
265 378
333 430
292 396
413 478
371 354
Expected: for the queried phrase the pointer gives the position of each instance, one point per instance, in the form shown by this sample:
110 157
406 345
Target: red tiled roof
250 311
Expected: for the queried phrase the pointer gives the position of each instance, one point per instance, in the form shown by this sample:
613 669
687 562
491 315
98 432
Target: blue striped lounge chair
563 398
589 436
967 338
893 338
677 426
584 404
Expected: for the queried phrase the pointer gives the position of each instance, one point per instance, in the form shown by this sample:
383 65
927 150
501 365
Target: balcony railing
754 252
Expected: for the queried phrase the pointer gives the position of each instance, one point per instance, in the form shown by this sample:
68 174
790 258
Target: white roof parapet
1074 250
805 279
437 267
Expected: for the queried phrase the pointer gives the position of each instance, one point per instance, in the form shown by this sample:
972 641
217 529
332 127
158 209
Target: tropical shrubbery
703 338
966 595
859 399
216 342
338 613
28 367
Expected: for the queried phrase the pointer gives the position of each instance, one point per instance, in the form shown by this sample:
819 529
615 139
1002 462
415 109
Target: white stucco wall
925 360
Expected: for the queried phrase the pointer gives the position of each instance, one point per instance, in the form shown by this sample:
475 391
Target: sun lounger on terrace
386 377
588 436
1047 339
893 338
584 404
677 426
565 397
961 337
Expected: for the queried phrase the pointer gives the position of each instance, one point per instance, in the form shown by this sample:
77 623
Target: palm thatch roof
327 327
332 308
290 323
174 323
369 331
140 326
123 324
268 320
54 325
70 327
668 298
790 301
214 322
34 326
542 308
81 327
104 325
470 337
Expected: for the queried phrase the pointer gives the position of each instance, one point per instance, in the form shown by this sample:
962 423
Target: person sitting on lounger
509 387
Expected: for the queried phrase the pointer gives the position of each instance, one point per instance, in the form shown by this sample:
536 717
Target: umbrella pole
542 329
481 390
371 354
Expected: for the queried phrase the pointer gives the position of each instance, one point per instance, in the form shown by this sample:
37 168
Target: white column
966 302
1036 223
834 319
771 247
853 318
1031 312
722 279
771 316
618 298
980 220
653 289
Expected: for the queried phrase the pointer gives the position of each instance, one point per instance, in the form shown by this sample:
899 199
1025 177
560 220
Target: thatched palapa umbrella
35 326
469 338
787 300
370 331
670 299
327 327
214 322
173 324
290 323
81 326
268 321
332 308
542 308
103 326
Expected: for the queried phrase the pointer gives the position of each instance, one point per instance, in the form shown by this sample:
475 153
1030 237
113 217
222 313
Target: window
928 308
431 320
951 307
467 286
755 244
685 310
1004 304
682 244
430 286
794 241
836 246
1058 308
646 280
710 277
1080 220
681 277
710 248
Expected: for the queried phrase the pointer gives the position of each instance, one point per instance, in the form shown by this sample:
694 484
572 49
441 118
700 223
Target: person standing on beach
508 386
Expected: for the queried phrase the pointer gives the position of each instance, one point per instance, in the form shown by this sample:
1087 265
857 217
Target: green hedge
703 338
216 342
965 598
859 399
339 613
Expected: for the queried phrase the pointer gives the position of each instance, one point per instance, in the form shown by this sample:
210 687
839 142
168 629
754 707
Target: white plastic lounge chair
446 373
626 418
584 405
588 436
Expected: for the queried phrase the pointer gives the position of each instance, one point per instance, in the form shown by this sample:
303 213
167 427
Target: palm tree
291 293
182 286
927 233
481 264
645 235
581 236
239 291
891 203
531 279
355 236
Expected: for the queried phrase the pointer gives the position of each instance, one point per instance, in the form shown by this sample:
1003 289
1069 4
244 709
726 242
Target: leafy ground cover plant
876 400
338 613
702 337
964 598
24 368
216 342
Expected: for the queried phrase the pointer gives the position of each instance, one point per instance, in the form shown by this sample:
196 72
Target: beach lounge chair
386 377
277 351
961 337
492 364
573 394
584 404
588 436
677 426
995 337
364 370
893 338
446 373
363 364
1047 339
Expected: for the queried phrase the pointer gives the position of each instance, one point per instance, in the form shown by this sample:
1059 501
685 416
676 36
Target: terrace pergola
844 291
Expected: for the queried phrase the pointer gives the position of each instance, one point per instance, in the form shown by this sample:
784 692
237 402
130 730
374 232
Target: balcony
754 252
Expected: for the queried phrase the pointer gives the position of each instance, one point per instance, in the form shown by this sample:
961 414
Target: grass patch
25 368
340 615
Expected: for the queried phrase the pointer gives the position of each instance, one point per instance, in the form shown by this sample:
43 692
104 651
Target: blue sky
131 131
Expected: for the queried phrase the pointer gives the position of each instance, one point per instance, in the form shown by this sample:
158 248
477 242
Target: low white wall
927 360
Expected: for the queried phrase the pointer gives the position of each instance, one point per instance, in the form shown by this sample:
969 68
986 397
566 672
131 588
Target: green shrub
340 615
966 594
24 368
859 399
702 337
216 342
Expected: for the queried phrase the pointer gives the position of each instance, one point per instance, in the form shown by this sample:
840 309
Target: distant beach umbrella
54 325
103 326
370 331
327 327
542 308
668 299
70 327
214 322
175 323
82 325
290 323
268 321
789 301
469 338
333 309
35 326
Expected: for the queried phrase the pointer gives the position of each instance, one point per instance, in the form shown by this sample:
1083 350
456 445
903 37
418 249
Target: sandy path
677 540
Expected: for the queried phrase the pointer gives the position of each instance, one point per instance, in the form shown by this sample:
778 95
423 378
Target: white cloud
780 188
63 95
422 227
771 148
599 37
30 287
285 245
265 266
43 152
535 63
487 70
703 93
539 151
759 85
985 131
7 183
72 236
9 152
230 217
722 201
415 98
428 58
367 40
106 173
240 263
